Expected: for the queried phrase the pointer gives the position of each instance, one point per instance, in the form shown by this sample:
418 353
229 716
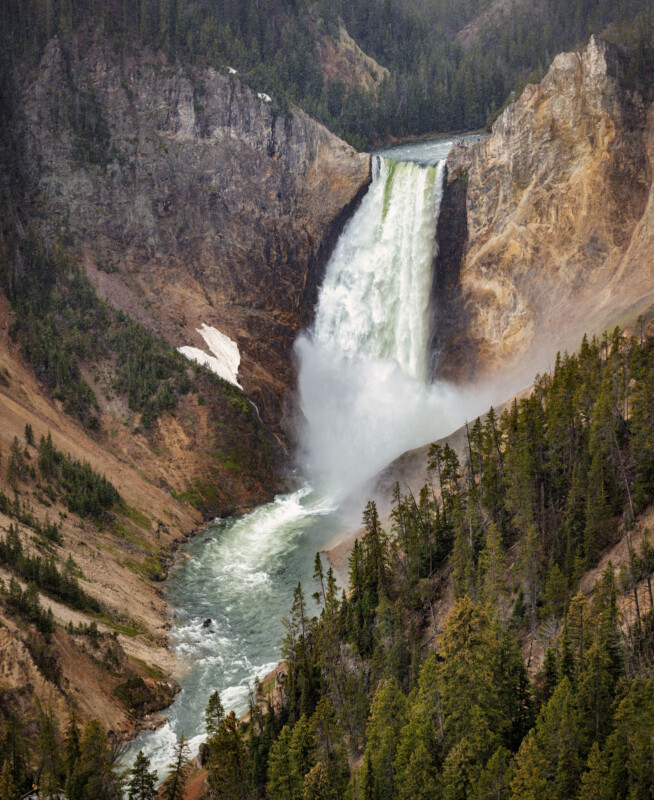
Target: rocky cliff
547 224
190 198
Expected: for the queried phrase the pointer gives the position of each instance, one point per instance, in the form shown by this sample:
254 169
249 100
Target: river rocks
548 215
189 199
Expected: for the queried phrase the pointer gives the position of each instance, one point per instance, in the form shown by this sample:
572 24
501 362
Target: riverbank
392 141
103 648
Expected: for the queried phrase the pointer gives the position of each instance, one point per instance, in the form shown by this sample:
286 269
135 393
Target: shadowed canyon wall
189 198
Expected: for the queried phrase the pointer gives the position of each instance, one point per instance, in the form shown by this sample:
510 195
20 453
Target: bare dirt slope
114 556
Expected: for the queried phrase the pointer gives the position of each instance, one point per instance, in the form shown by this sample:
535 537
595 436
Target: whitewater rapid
366 397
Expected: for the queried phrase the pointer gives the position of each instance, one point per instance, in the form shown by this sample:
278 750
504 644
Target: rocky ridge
547 224
188 199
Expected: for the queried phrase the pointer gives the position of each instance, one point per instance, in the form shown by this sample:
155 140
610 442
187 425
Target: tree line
379 702
436 83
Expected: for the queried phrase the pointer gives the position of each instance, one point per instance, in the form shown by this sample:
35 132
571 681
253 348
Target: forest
437 82
378 702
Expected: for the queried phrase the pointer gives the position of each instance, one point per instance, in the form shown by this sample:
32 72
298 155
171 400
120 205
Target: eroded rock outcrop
190 199
550 229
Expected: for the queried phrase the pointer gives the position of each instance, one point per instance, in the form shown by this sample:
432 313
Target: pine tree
175 784
495 779
317 785
319 576
530 781
387 718
72 750
302 747
374 545
51 768
7 788
466 678
492 567
559 739
629 748
284 782
416 773
227 765
554 594
142 783
98 776
213 715
459 773
594 782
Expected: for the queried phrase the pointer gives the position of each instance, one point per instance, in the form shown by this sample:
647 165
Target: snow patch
225 358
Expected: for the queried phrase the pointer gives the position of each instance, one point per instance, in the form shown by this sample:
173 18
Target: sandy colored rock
553 214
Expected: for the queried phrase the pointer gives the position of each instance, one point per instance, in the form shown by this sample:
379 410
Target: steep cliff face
553 227
341 59
189 198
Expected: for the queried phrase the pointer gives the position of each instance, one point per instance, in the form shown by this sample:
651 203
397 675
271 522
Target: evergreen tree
214 715
98 776
492 567
7 786
51 768
142 783
284 780
175 784
530 781
594 782
466 678
227 764
387 718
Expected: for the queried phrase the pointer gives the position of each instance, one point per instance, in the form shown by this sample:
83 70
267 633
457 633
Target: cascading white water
375 299
363 379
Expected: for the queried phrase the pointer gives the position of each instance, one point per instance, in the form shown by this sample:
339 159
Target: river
366 396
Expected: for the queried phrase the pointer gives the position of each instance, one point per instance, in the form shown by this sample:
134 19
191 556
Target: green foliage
142 782
83 490
175 784
44 573
467 723
133 693
435 84
26 603
61 323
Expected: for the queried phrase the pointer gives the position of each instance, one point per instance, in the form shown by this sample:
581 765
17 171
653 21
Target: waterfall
363 377
375 299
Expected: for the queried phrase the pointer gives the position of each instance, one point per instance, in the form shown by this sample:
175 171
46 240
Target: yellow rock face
560 227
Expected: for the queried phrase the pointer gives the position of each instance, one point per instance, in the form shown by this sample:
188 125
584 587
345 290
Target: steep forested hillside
530 688
380 702
452 65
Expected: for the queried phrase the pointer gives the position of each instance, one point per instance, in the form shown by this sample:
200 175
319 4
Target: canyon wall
547 226
190 198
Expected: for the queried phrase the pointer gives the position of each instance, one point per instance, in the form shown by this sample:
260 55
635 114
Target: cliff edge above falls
190 200
547 225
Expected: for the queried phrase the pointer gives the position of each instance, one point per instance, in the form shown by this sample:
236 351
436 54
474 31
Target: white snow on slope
225 358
